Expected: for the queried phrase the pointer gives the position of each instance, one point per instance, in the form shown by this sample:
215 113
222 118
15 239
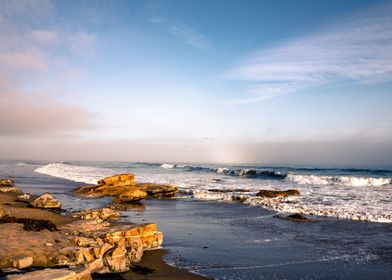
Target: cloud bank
355 51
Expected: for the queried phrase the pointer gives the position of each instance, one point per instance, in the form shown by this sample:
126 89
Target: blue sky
214 81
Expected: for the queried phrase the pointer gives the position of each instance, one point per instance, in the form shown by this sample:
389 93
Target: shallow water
228 240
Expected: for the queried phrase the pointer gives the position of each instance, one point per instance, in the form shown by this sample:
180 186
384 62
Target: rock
104 214
22 262
54 274
31 224
118 180
128 206
24 197
3 213
158 190
297 218
116 259
7 183
272 193
132 195
46 201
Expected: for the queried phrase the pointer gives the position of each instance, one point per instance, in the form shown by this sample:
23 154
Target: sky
303 83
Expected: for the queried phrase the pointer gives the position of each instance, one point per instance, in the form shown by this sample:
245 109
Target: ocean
208 231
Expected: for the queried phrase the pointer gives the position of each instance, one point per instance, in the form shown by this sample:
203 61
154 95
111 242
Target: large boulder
46 201
272 193
132 195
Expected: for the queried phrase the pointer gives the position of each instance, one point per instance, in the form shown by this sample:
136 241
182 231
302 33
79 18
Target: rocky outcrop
8 185
272 193
46 201
95 245
123 188
104 214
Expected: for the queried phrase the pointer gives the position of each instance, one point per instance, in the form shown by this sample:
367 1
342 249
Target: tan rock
46 201
100 251
22 262
116 259
272 193
7 183
132 195
118 180
104 214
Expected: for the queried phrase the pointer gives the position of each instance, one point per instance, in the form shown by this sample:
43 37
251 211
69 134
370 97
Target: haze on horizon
270 82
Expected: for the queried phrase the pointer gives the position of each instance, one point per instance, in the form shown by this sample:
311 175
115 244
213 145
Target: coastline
16 239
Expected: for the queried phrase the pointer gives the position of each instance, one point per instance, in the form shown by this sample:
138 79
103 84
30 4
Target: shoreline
152 265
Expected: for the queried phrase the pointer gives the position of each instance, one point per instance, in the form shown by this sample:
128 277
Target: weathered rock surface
272 193
123 188
46 201
104 214
97 245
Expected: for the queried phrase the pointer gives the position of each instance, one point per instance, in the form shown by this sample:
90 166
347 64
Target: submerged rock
297 218
272 193
46 201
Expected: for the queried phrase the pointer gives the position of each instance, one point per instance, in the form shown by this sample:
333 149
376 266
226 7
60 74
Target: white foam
348 197
85 174
339 180
168 165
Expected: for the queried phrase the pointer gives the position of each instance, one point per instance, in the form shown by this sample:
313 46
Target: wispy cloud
32 60
358 51
184 32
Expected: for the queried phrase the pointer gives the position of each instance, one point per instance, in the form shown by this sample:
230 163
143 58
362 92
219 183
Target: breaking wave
360 197
353 181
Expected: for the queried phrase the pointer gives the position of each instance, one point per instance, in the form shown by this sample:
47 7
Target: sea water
208 231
